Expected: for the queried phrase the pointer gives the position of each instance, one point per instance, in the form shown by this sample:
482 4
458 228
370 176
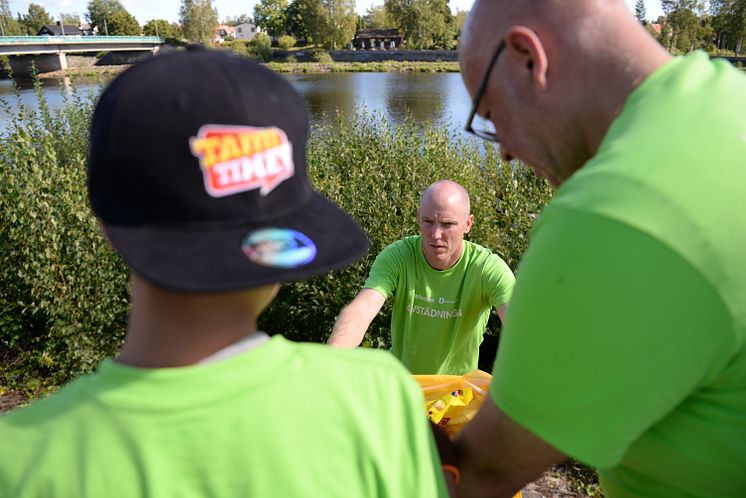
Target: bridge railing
77 39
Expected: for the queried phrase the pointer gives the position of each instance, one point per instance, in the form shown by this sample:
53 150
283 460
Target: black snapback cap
197 170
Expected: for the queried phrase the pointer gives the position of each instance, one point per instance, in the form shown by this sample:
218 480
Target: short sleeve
385 271
608 331
497 281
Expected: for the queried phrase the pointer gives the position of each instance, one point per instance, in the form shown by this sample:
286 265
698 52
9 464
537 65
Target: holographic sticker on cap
237 159
278 248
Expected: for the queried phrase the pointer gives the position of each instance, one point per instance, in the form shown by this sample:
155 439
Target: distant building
377 39
59 30
223 32
245 31
86 29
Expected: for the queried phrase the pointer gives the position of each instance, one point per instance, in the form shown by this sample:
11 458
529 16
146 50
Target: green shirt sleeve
607 333
497 281
384 273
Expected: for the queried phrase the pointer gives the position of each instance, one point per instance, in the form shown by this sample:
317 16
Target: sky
145 10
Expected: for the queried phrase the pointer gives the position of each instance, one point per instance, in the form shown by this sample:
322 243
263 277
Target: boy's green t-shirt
625 346
282 420
439 317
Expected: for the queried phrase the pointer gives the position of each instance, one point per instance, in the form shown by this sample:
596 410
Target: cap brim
212 259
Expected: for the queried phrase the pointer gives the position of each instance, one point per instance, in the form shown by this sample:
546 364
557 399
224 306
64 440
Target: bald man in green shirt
443 289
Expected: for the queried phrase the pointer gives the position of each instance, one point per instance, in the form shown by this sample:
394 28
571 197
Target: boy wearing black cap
197 173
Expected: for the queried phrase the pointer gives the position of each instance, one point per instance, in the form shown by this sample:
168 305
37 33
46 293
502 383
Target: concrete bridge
47 53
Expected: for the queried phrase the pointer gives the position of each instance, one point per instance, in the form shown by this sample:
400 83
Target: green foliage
69 19
424 24
9 26
285 42
63 293
236 20
377 17
261 47
270 15
330 23
100 12
199 20
322 57
377 173
122 23
162 28
34 19
295 24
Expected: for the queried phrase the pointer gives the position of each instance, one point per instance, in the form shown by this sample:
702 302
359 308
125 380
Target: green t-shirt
281 420
625 346
439 316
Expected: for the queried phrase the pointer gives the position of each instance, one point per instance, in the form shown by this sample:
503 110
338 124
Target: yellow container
452 400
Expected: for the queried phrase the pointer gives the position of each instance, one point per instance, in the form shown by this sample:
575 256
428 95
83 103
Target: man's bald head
562 77
447 192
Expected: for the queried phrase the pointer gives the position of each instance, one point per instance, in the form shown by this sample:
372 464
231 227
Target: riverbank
104 72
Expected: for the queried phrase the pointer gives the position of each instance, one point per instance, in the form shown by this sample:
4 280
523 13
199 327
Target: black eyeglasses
486 134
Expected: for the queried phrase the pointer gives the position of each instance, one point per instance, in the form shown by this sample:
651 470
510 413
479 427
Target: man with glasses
626 343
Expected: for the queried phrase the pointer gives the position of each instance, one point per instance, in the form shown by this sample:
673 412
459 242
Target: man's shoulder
479 254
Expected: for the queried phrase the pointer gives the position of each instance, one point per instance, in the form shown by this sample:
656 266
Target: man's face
443 221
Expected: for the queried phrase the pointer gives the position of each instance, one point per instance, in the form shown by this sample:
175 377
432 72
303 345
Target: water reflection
437 98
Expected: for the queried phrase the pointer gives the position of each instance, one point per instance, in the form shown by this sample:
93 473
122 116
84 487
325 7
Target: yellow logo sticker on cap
240 158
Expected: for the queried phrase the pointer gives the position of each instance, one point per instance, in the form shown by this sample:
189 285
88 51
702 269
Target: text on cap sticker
240 158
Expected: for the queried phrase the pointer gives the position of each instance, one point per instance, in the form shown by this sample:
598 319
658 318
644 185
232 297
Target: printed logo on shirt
433 313
237 159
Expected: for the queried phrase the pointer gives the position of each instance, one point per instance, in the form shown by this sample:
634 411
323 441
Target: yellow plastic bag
452 400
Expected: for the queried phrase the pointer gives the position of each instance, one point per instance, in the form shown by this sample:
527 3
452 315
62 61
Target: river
436 98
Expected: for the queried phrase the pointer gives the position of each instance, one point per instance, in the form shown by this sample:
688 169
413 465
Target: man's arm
501 311
354 319
497 456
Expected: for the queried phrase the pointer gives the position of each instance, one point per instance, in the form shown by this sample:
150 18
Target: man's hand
496 456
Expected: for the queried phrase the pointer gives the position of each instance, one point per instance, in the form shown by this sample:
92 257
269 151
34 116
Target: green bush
285 42
322 57
63 292
261 47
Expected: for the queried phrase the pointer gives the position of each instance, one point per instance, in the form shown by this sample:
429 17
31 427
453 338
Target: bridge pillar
22 65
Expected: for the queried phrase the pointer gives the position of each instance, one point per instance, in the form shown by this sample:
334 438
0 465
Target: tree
100 13
459 18
271 16
236 20
423 23
295 23
377 17
122 23
199 20
9 26
69 19
162 28
331 23
640 11
34 19
729 24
